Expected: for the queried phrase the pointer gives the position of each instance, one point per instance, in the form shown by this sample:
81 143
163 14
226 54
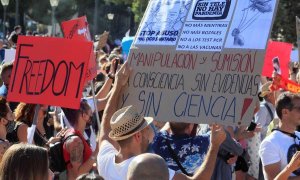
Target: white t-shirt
278 147
107 167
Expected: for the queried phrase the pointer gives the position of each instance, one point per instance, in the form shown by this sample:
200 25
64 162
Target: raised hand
123 74
295 162
218 135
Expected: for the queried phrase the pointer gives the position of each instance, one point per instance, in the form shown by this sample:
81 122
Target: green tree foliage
284 28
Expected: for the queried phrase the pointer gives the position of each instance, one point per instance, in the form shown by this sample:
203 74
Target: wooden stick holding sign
95 104
31 130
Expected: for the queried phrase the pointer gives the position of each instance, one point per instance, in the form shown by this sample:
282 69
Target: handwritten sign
49 71
78 29
189 68
103 40
298 34
277 56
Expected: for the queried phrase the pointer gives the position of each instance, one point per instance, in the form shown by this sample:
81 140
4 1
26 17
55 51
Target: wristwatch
111 76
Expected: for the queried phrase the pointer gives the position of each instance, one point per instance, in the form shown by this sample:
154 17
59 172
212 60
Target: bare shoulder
22 128
72 142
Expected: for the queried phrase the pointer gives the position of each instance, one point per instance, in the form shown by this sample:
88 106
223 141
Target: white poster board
187 67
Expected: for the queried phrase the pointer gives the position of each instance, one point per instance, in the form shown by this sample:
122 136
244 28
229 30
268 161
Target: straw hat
265 89
126 122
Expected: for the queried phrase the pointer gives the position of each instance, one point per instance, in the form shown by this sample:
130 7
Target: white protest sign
9 55
298 35
193 62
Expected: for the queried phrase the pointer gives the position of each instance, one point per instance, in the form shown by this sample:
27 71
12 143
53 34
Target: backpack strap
175 158
269 110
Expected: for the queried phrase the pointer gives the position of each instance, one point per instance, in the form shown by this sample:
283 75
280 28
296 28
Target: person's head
128 127
28 33
179 128
23 162
288 108
91 176
148 167
266 94
6 115
25 113
6 73
81 115
102 60
18 29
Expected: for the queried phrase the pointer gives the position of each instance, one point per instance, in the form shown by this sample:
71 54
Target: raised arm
103 92
120 81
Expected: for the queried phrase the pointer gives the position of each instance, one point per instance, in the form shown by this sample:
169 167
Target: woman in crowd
24 119
6 123
77 152
23 162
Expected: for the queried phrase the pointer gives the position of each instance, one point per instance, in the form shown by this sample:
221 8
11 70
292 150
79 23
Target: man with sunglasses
277 150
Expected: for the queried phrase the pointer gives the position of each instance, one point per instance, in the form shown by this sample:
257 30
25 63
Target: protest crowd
96 137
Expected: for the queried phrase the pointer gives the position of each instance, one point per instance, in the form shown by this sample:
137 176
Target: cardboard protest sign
9 55
298 34
277 58
103 40
49 71
194 62
78 29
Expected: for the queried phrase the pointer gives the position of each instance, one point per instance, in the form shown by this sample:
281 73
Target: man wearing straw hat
125 134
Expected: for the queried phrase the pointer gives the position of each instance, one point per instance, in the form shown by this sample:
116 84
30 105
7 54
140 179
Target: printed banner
286 84
78 29
277 58
298 35
49 71
199 61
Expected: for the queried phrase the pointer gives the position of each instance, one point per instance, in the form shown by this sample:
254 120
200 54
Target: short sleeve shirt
107 167
190 151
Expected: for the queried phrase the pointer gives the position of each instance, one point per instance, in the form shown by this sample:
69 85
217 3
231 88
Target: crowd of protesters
128 145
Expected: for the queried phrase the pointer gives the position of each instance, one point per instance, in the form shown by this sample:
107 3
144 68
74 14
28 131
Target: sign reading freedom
49 71
78 29
199 61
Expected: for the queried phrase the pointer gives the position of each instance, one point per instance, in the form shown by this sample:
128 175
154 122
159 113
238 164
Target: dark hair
178 128
285 101
5 67
89 177
17 27
73 114
3 107
24 161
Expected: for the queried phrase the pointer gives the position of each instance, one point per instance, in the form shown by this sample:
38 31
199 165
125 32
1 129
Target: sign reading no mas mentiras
199 61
